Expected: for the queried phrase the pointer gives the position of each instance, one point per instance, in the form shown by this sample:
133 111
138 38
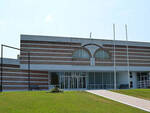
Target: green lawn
141 93
67 102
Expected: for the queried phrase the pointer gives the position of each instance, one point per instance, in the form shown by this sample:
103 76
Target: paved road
125 99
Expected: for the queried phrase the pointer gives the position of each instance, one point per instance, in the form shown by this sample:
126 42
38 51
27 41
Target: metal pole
1 87
90 35
114 57
127 54
12 47
28 70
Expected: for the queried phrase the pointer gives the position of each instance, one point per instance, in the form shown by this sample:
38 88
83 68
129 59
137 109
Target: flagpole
114 36
126 29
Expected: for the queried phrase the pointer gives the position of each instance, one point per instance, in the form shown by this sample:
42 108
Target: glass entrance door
73 80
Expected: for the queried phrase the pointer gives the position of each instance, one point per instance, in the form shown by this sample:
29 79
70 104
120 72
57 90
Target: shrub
148 87
56 90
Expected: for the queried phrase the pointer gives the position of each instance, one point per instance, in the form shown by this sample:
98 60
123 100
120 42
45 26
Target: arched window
81 53
101 54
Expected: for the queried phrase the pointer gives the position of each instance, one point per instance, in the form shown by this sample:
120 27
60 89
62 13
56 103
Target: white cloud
48 19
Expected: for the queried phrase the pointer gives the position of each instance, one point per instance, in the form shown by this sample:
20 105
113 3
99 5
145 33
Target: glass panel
102 54
81 53
97 78
91 78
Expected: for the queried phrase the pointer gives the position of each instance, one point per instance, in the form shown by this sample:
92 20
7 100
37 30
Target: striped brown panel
124 46
20 88
48 46
57 63
46 58
35 71
125 60
109 45
136 57
62 59
104 64
46 50
125 50
120 64
11 70
23 75
137 54
23 79
47 54
25 83
50 42
10 65
14 88
80 59
16 79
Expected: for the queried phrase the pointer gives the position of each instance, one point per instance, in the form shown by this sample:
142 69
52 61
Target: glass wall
101 80
86 80
143 80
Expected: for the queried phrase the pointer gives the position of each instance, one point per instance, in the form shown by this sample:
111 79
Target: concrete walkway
129 100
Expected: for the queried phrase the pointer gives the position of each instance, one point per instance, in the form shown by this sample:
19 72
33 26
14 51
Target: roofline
81 38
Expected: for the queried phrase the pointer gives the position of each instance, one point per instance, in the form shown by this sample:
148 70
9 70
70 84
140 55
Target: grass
67 102
140 93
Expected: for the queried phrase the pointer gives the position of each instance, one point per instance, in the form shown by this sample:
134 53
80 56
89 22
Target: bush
0 88
56 90
148 87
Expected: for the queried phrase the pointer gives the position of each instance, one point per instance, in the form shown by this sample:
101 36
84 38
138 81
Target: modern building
77 63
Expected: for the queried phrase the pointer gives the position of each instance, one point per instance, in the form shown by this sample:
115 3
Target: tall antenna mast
114 35
127 54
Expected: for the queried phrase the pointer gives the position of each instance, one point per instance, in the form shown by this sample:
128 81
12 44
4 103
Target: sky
73 18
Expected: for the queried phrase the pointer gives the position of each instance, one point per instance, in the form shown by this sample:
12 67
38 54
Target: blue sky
75 18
